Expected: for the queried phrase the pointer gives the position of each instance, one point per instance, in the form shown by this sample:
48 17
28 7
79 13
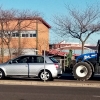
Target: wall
29 43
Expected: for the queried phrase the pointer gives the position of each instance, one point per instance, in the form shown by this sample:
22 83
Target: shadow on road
22 79
70 77
64 77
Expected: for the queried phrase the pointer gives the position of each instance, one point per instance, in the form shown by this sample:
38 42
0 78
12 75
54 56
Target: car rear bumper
58 73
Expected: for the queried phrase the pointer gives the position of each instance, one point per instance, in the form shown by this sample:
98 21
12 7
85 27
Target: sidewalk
50 83
66 80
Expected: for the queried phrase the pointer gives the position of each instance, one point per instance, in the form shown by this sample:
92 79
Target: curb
40 83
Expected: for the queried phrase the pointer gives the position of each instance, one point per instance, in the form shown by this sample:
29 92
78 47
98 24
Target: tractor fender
90 64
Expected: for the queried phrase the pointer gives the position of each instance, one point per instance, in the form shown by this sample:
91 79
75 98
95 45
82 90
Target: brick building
31 36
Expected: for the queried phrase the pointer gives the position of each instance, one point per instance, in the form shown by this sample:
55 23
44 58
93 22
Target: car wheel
2 75
47 76
82 71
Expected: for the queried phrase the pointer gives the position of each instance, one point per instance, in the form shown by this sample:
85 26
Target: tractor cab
98 52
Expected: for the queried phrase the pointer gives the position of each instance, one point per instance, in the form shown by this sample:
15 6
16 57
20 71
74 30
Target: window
15 34
29 59
33 35
53 59
26 35
23 35
22 59
40 60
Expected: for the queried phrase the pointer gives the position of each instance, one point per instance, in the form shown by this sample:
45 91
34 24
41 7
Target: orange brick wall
30 42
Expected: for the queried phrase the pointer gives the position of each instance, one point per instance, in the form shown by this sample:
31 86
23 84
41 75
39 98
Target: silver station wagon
31 66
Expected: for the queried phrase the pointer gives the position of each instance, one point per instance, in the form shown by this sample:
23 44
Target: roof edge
31 18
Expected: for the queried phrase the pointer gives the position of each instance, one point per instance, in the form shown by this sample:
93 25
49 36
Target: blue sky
49 8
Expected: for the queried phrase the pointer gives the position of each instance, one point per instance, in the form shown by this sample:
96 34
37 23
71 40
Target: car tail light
56 65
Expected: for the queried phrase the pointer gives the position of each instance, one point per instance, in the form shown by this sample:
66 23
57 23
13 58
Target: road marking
96 96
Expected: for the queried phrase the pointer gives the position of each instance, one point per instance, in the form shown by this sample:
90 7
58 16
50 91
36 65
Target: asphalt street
17 92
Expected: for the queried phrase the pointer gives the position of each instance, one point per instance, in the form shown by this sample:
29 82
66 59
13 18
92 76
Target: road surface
14 92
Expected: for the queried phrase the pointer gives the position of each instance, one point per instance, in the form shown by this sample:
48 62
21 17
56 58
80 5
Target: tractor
87 65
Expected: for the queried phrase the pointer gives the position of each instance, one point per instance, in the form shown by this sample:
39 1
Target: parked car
31 66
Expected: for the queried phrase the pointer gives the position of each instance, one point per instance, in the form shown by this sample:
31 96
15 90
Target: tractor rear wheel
82 71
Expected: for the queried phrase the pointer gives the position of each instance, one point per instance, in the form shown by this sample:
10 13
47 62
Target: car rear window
53 59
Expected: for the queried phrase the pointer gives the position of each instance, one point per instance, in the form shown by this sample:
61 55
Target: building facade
30 35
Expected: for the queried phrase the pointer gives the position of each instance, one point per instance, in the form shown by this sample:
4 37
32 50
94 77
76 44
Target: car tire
82 71
2 75
47 76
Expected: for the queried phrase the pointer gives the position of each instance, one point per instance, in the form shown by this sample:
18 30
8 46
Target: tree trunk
19 43
10 55
2 49
82 51
37 36
2 52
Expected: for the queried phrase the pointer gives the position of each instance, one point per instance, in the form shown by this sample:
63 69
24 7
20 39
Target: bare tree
5 17
43 45
78 24
14 21
22 26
